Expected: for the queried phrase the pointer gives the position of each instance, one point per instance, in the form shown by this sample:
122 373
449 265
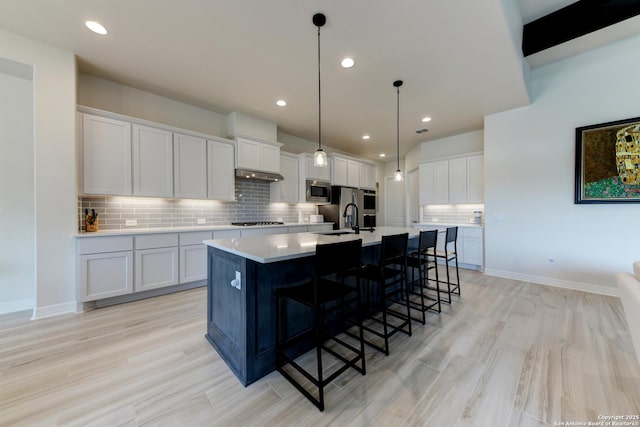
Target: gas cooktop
252 223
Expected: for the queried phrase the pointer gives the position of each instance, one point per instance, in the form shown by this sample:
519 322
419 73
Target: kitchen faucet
354 227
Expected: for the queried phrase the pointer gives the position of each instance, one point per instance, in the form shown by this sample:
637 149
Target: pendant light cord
319 98
398 127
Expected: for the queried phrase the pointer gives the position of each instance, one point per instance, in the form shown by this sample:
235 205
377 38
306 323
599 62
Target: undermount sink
336 233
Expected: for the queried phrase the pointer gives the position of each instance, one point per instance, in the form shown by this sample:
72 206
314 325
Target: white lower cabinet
156 261
472 247
104 267
193 256
156 268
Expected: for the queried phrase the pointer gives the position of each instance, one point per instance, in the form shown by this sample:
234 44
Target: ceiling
458 59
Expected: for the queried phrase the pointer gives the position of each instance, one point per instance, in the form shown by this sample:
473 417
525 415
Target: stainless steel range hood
259 175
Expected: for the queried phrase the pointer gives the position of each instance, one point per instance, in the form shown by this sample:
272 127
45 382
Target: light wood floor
506 353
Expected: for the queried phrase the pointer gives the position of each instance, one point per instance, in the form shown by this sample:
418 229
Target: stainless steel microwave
318 191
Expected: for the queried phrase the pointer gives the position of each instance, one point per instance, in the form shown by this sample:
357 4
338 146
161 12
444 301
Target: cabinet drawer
98 245
156 241
194 238
472 232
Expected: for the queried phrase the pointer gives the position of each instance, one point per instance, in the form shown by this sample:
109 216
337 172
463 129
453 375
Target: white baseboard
54 310
19 305
558 283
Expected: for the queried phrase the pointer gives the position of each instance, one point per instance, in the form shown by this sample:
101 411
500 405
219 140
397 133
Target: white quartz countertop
136 231
280 247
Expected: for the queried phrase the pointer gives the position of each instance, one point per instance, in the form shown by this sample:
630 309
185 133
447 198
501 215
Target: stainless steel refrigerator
340 198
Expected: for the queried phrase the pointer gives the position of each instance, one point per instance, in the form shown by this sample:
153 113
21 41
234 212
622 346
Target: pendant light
319 157
397 176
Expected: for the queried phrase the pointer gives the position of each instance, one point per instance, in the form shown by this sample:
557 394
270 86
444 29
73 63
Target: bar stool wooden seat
448 254
333 295
423 260
390 274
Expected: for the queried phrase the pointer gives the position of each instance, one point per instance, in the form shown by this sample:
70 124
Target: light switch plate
131 222
202 221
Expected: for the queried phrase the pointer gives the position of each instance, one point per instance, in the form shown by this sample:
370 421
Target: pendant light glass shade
398 176
319 157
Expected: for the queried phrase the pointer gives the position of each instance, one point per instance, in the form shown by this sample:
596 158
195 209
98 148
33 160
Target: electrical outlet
434 219
202 221
131 222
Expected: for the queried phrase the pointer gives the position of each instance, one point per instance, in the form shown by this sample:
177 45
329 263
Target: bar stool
390 273
448 255
334 296
423 260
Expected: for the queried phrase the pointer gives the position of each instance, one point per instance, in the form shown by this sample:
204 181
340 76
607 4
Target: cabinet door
316 172
286 190
106 156
472 251
193 263
105 275
367 176
458 180
441 182
152 162
270 161
339 171
475 179
156 268
353 173
189 166
221 174
427 189
321 228
249 154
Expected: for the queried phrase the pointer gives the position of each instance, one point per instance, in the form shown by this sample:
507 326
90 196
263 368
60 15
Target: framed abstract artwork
608 162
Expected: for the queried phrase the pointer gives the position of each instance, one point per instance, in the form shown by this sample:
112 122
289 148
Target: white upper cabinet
475 179
287 190
350 172
152 161
367 176
310 171
106 156
221 174
434 183
353 173
189 166
339 171
258 155
458 180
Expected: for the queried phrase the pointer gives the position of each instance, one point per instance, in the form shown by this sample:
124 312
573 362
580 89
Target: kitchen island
243 274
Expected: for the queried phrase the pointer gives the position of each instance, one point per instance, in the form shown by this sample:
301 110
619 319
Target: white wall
118 98
17 244
529 176
54 86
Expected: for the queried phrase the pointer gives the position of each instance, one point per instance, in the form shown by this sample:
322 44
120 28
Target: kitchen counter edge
164 230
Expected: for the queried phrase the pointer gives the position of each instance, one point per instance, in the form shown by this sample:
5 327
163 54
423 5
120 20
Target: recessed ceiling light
96 27
383 155
426 119
281 103
365 137
347 62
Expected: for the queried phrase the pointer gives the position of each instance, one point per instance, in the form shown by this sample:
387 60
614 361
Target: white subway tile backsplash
252 204
450 214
